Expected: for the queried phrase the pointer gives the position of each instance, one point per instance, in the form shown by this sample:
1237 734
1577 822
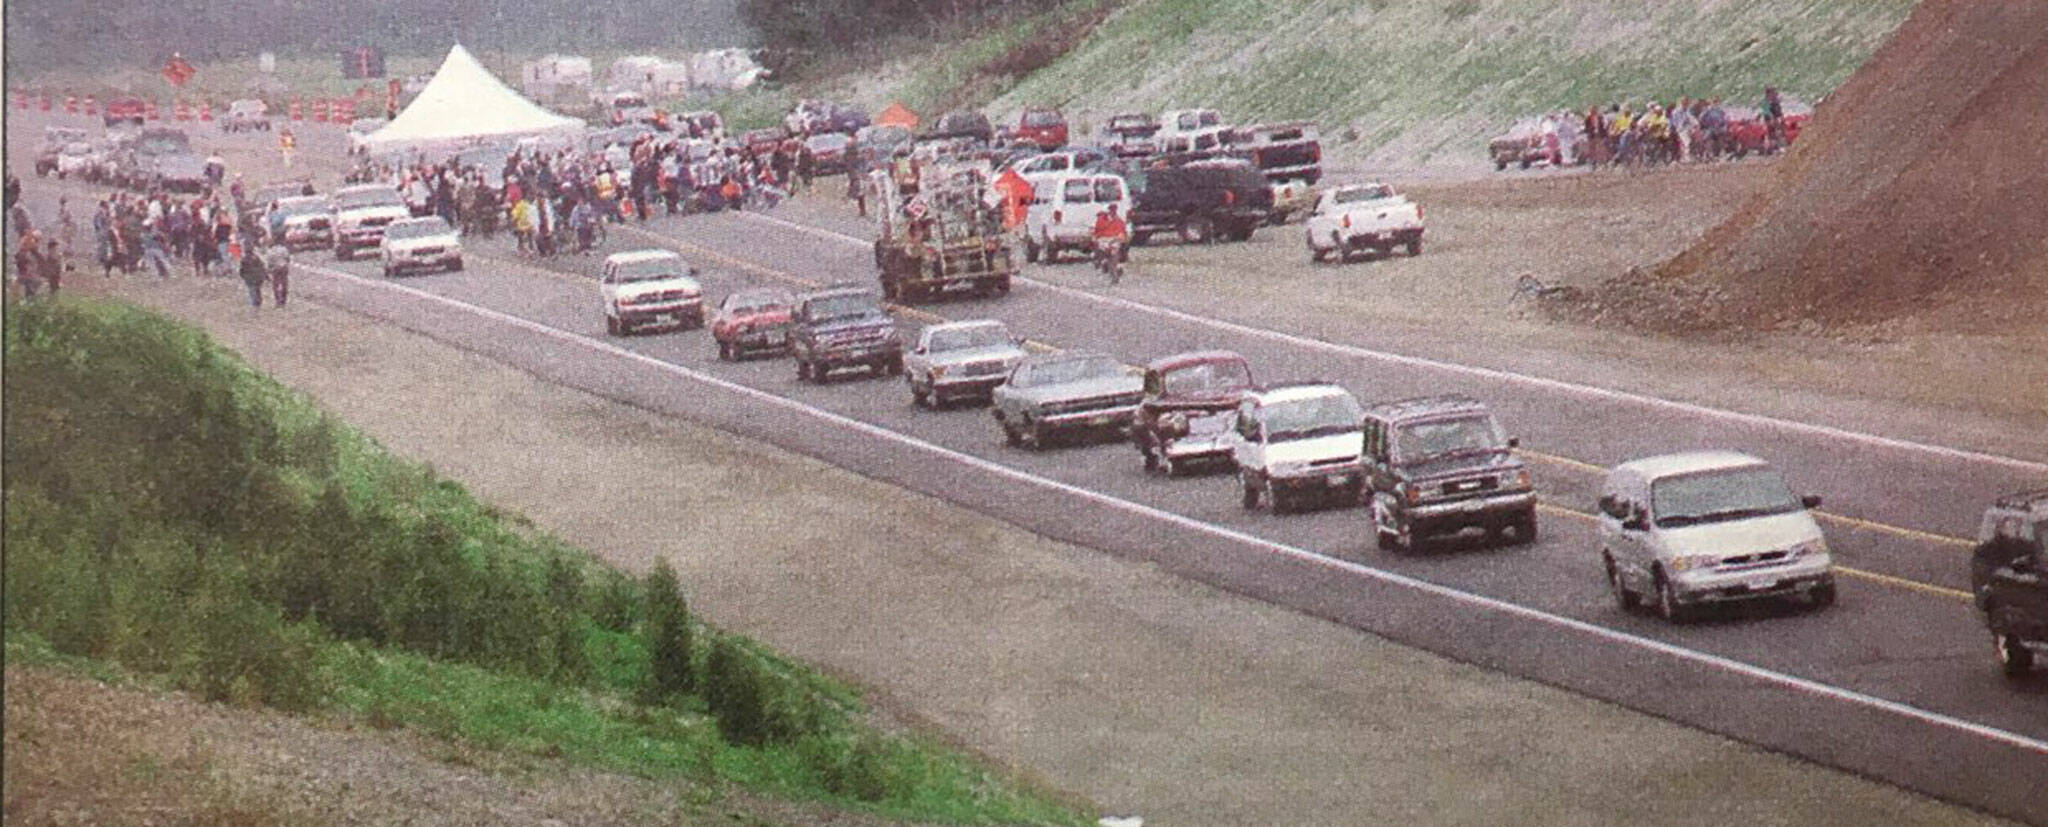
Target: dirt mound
1922 181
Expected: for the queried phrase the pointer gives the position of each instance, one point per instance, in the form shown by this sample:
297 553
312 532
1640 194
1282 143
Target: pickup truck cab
1179 122
246 115
1440 465
643 287
843 326
1045 128
1291 151
1131 135
1298 443
1359 217
55 140
1708 527
426 243
1200 201
1056 393
1063 211
960 360
1046 164
360 215
2009 578
76 158
1189 405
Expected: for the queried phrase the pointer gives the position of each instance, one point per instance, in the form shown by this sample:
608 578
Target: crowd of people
151 233
1689 129
560 201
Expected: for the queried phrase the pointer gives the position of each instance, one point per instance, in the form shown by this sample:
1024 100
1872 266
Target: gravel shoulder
1102 676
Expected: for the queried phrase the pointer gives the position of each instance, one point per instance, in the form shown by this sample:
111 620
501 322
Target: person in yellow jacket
522 224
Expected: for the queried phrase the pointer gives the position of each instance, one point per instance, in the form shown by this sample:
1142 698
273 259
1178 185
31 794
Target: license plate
1101 419
1338 481
1763 585
772 339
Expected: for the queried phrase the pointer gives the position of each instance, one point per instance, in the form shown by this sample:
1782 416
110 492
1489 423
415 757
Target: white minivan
1063 211
1706 527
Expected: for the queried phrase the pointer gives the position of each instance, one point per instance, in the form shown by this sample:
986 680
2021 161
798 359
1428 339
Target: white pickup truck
1358 217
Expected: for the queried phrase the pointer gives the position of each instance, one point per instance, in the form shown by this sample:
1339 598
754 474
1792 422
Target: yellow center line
1540 456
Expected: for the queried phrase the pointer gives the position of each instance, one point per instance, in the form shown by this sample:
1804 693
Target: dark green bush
668 634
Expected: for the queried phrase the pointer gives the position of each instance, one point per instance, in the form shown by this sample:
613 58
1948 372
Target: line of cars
1677 533
142 159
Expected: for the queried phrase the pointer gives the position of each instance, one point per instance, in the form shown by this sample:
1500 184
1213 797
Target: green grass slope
173 514
1400 82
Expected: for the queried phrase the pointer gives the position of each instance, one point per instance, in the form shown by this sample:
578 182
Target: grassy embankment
175 515
1408 82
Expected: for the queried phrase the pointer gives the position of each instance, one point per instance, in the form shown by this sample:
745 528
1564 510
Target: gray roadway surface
1895 682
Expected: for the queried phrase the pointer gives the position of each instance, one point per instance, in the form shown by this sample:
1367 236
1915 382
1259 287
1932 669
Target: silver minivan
1706 527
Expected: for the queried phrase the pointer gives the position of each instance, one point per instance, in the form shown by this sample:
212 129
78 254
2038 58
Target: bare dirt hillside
1920 186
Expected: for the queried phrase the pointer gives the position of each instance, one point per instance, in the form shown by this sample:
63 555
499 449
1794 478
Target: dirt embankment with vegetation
174 515
1917 191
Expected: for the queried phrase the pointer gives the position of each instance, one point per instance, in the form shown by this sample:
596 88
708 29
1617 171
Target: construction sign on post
178 71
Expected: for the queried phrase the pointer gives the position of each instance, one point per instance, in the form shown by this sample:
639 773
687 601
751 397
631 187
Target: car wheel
1318 255
919 396
803 371
1010 435
1250 489
1167 467
2014 658
1031 250
724 351
894 367
1668 606
611 325
455 266
342 254
388 272
1499 165
1525 528
1628 600
1415 248
1197 230
1036 435
1822 596
1151 459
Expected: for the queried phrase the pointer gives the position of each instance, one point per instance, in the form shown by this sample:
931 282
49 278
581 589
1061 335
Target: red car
1045 127
1747 132
124 110
752 321
1189 408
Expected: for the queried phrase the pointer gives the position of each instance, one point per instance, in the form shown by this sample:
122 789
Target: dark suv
2009 576
1199 200
843 326
961 124
1439 465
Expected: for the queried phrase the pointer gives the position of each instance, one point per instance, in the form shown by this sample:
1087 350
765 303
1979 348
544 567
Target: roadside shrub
856 766
668 633
733 691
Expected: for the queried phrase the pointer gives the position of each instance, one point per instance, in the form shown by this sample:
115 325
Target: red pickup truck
1045 127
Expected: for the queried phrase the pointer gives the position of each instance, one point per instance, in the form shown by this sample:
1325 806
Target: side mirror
919 350
1610 507
1637 520
1810 501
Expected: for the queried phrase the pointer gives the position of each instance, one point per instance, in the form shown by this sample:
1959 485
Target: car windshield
653 269
1357 194
757 303
163 144
961 338
1042 119
1067 370
417 229
1714 496
77 148
828 141
852 305
1208 376
1315 417
379 197
1442 438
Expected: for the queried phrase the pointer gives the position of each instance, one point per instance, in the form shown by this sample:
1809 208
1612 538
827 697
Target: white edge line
1489 373
1301 554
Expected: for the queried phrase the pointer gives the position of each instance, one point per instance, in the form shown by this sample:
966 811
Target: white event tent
466 104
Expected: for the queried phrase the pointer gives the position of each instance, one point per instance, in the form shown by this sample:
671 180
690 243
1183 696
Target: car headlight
1688 562
938 371
1519 480
1810 548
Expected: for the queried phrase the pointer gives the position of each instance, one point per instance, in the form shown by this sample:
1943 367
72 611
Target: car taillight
1229 197
1057 217
1418 212
1316 152
1347 221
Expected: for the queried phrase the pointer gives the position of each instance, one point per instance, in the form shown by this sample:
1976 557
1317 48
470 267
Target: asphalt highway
1896 681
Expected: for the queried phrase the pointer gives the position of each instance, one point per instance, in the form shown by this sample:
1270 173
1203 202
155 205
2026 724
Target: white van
1706 527
1063 211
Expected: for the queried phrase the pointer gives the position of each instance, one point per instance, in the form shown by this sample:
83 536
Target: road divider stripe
1568 462
1707 659
1489 373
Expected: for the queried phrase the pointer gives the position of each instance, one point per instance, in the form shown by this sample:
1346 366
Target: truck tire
1031 250
1138 239
1627 600
1414 247
1249 489
2014 658
1668 606
803 370
1197 230
1318 255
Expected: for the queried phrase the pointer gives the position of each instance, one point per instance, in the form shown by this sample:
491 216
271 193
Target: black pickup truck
843 326
2009 577
1201 201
